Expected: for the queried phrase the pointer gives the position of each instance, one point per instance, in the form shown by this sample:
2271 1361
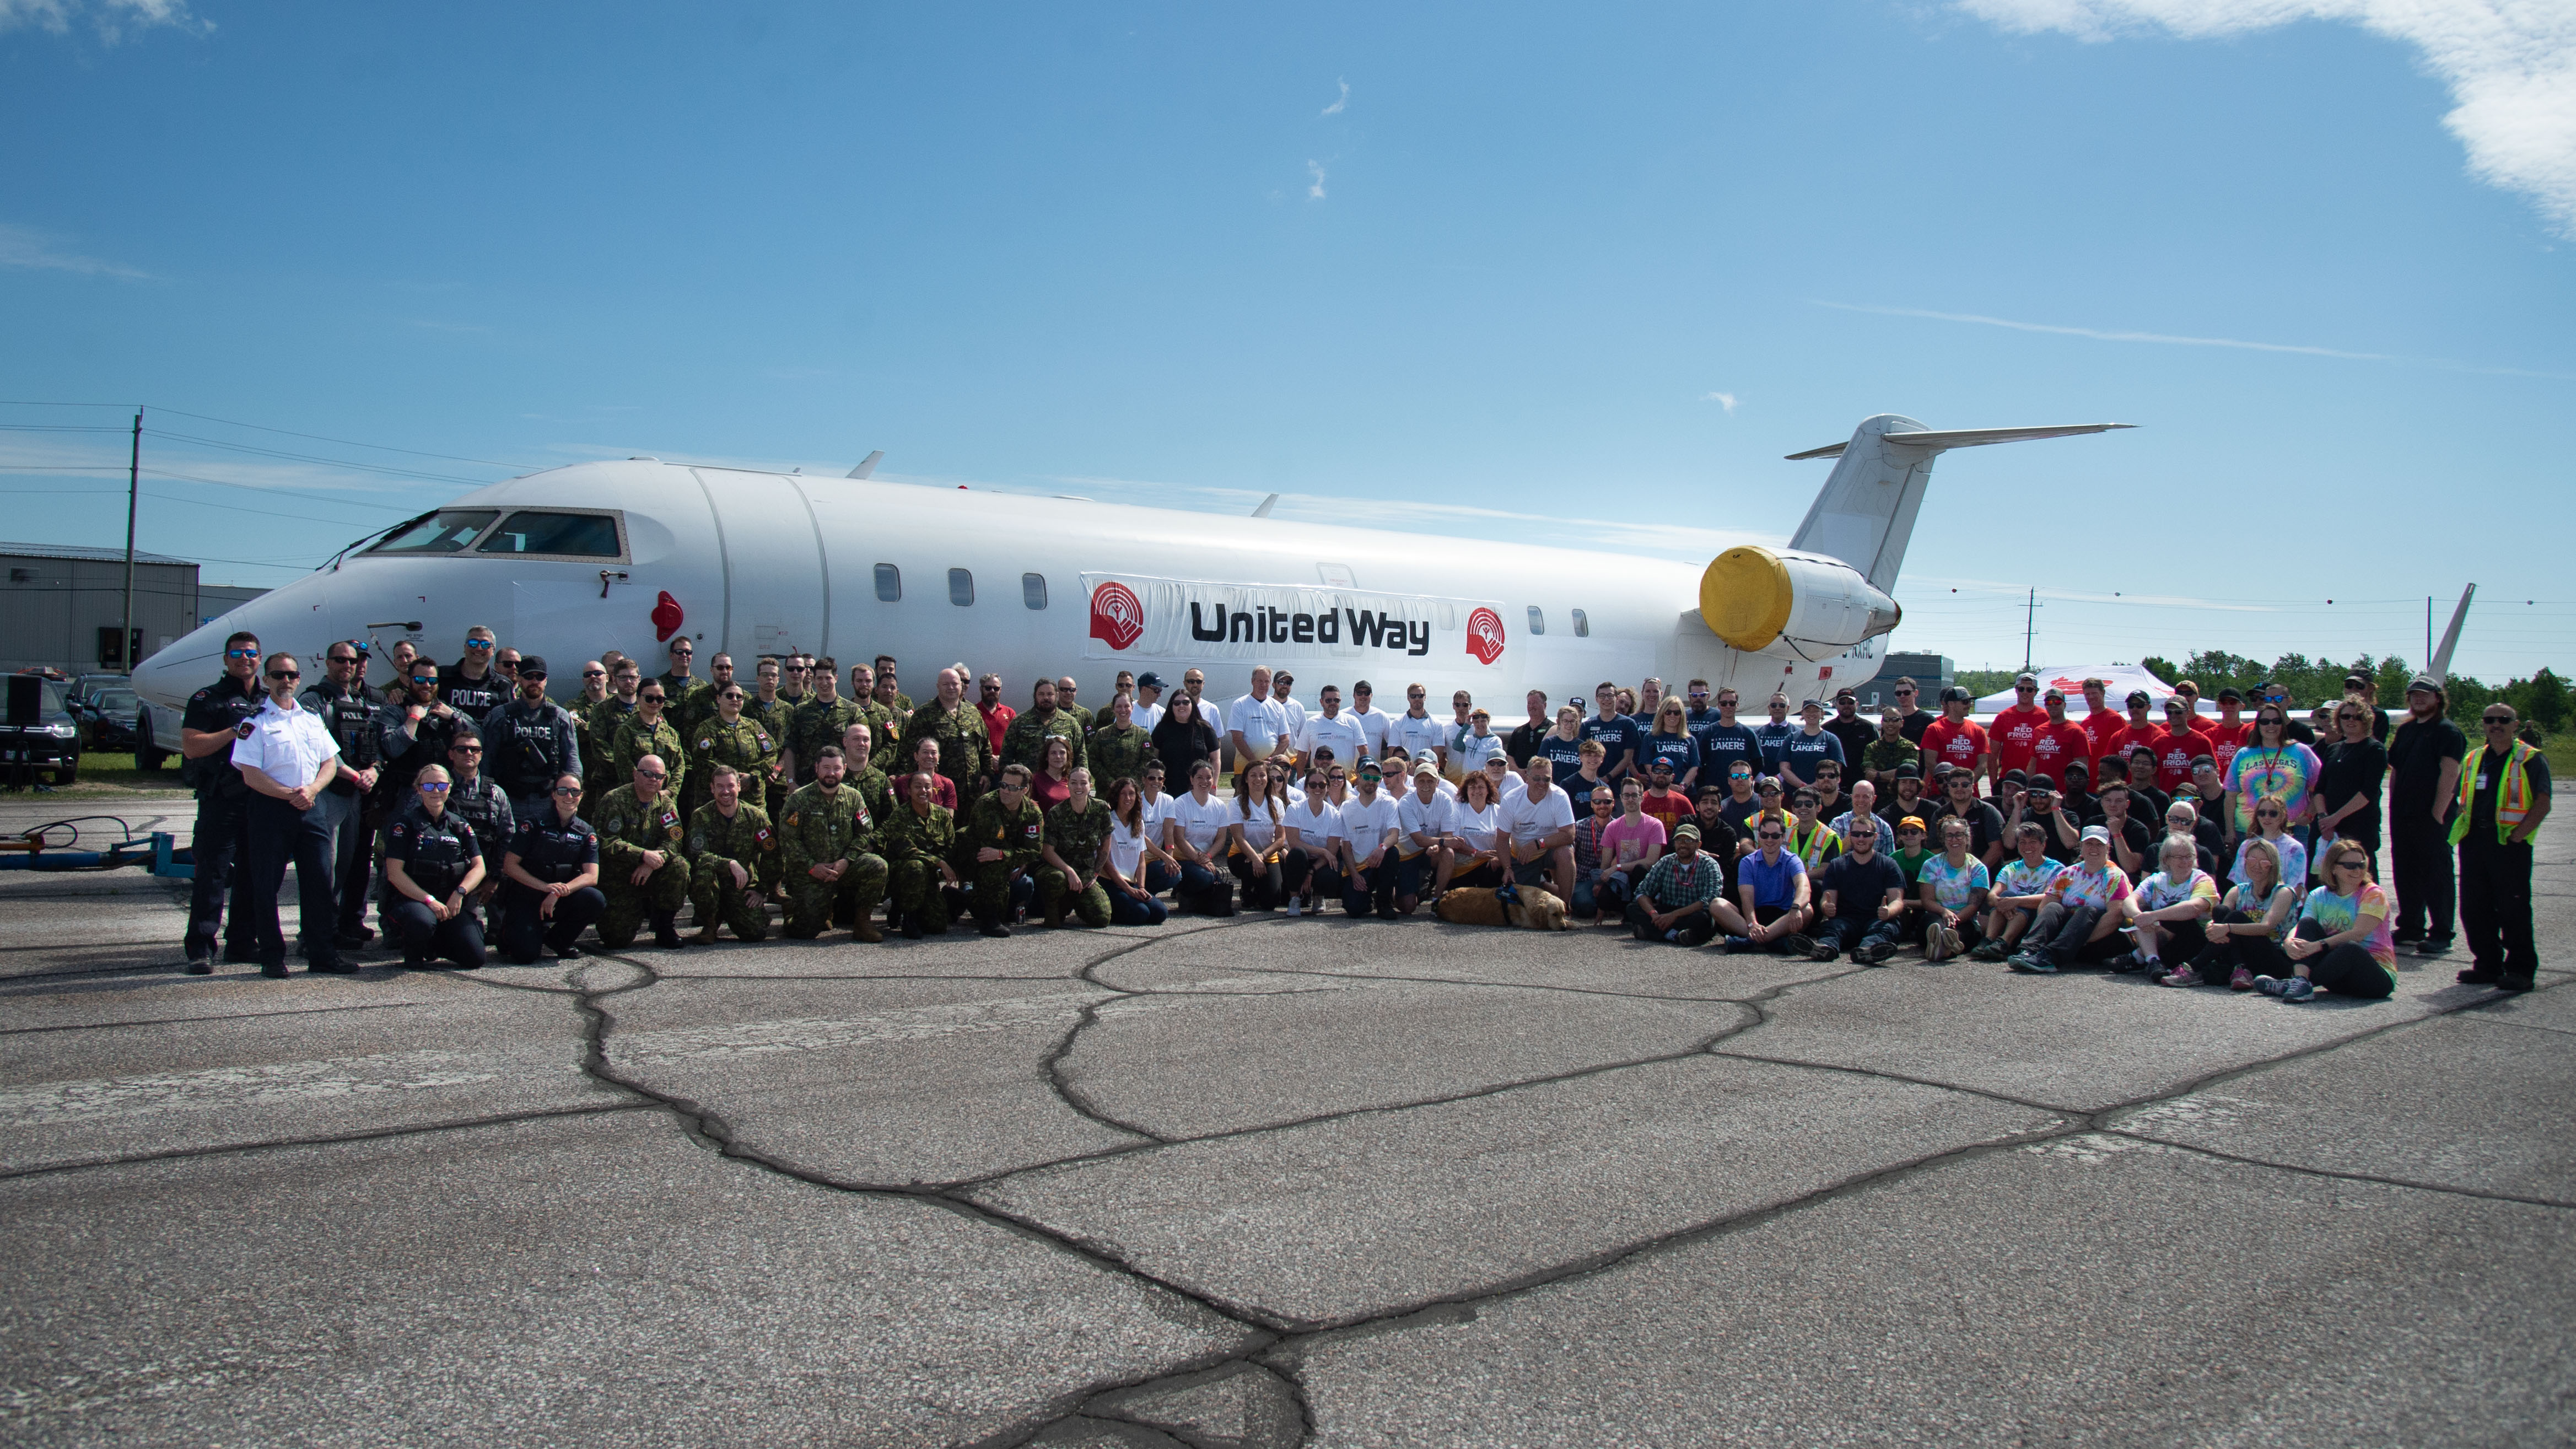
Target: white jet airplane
626 555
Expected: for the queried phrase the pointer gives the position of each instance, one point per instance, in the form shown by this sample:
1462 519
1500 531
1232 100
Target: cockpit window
445 531
575 535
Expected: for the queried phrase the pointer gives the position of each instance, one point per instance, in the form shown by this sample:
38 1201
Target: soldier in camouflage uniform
964 742
888 692
1065 689
648 731
1119 751
884 725
918 840
831 857
694 709
1024 743
998 850
819 721
1076 830
770 709
726 738
599 730
640 832
859 772
733 856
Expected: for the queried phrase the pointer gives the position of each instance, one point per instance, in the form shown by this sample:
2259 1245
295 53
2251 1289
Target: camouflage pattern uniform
779 718
818 724
635 740
628 828
1083 714
1117 753
1017 833
716 842
1024 743
964 743
689 711
914 845
751 750
820 827
599 729
885 728
1077 839
875 791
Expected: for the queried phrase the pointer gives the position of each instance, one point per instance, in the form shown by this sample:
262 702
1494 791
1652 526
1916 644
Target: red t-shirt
2129 738
2056 745
2013 733
997 721
1672 807
1959 744
2174 751
2104 727
2226 739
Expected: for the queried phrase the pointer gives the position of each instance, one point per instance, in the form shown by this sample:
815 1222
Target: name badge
2482 782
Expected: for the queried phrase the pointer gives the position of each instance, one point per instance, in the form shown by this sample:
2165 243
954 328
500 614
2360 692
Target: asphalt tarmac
1266 1183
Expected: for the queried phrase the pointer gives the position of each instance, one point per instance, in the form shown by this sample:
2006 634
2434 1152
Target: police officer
531 740
207 730
733 854
414 731
433 869
345 707
999 848
965 742
832 864
472 686
1077 828
642 872
478 802
726 738
918 840
550 888
648 731
819 721
287 758
1118 750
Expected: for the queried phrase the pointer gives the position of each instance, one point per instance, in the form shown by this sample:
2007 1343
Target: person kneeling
432 867
1683 896
1864 900
550 879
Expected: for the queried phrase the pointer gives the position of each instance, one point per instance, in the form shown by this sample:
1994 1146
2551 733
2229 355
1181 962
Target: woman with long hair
1256 843
2356 765
1182 738
2247 930
1053 782
1132 847
2341 943
2273 764
1671 741
2271 826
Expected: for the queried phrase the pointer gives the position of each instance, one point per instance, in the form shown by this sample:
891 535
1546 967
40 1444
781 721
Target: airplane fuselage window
961 588
445 531
1033 590
889 584
1538 621
568 535
1582 625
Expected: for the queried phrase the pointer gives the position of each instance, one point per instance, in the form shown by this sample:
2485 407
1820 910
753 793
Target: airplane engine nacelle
1753 599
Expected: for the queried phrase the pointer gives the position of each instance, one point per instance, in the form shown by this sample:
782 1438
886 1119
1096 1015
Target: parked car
52 744
109 717
88 685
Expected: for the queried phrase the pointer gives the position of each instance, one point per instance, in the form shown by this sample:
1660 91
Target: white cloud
2510 65
2169 339
1334 109
1315 189
110 18
1725 400
23 246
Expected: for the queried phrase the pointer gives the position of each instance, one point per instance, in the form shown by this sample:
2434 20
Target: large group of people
2232 850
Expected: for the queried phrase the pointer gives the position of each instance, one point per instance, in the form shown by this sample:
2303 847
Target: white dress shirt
287 744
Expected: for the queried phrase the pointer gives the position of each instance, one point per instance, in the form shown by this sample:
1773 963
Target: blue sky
1489 270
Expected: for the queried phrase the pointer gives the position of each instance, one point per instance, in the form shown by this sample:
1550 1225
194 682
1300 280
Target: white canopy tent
2071 677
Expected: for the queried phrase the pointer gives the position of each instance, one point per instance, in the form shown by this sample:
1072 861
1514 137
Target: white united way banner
1136 617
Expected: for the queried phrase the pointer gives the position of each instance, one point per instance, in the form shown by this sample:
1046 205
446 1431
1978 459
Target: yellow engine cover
1745 597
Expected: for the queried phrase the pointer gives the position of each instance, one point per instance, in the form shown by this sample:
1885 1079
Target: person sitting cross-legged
1682 898
1863 900
2170 910
2341 943
1772 882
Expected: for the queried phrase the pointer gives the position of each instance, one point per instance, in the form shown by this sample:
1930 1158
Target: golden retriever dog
1535 910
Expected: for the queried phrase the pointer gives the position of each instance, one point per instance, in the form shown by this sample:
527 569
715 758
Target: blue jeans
1126 910
1608 896
1850 933
1369 890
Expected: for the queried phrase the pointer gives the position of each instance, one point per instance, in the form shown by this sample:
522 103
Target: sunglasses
653 774
682 649
532 674
344 659
241 654
2346 865
2271 814
594 674
478 645
2494 723
2025 689
286 674
652 698
1772 835
424 679
433 787
567 789
1905 694
732 694
465 749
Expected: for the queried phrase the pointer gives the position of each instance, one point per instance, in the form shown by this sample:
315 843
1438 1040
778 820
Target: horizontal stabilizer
1966 438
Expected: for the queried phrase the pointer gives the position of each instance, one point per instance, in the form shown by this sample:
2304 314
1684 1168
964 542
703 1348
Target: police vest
554 851
2513 796
442 851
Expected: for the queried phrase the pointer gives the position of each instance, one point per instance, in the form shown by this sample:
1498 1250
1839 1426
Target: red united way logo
1485 635
1117 615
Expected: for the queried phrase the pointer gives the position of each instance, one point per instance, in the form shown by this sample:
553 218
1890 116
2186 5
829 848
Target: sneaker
1874 953
200 966
566 953
2298 988
1797 945
2272 985
2125 963
2243 980
2033 963
2514 983
2184 977
1825 951
2477 976
1737 944
1990 951
2433 946
994 929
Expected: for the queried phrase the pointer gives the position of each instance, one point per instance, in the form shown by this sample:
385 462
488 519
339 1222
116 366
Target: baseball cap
1661 762
2423 683
1686 829
2016 777
1150 680
2140 696
532 664
2101 833
2231 692
1957 692
2029 679
2175 702
2054 694
1910 822
1427 768
1908 772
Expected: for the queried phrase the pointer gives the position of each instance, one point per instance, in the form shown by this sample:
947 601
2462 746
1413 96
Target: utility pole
125 649
2029 623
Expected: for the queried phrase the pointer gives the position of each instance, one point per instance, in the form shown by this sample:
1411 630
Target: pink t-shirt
1624 842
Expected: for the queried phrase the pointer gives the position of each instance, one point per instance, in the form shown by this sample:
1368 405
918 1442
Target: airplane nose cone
293 620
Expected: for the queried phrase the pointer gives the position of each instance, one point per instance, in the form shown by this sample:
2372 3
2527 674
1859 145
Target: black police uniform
553 851
525 746
436 854
355 723
221 843
404 755
474 698
479 803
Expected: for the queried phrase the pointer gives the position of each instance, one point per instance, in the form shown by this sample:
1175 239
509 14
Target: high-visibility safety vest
2513 797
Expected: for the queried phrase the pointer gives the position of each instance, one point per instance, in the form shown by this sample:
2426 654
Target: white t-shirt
1413 813
1528 821
1342 734
1127 847
1261 722
1157 811
1257 829
1477 828
1470 751
1316 827
1419 736
1296 714
1374 723
1202 825
1364 825
1145 716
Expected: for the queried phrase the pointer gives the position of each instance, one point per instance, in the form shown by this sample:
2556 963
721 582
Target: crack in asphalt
2484 1194
325 1139
218 1016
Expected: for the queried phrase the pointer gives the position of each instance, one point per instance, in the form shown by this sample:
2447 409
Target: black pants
2183 942
222 869
353 858
1265 886
459 938
2420 859
2064 934
524 933
279 833
2495 906
1368 890
1696 927
2219 959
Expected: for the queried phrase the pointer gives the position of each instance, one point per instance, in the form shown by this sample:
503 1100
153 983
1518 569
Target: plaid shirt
1673 884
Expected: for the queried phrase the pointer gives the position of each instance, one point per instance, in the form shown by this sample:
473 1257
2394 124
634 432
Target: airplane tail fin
1865 513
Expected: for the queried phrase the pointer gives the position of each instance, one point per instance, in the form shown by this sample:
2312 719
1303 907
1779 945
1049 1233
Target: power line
315 458
345 442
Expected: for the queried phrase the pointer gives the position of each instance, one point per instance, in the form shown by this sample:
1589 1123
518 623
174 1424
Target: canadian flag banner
1135 617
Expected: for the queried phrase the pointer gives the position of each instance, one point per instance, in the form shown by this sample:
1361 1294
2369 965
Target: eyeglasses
478 645
241 654
2271 814
465 749
2347 716
2496 721
433 787
2025 689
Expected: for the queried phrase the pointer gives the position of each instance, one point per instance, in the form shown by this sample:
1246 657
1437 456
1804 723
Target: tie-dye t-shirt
2083 885
2338 913
2289 771
1953 888
2294 862
2161 890
2021 878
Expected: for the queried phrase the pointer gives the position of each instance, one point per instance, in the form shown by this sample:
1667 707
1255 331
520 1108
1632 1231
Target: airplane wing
1967 438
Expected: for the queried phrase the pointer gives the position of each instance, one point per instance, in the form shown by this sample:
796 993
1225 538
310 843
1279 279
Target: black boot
991 926
666 930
